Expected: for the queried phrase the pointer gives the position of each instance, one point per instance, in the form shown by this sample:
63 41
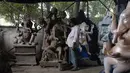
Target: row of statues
55 32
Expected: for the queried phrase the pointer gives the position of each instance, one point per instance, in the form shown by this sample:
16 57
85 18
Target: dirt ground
92 67
38 69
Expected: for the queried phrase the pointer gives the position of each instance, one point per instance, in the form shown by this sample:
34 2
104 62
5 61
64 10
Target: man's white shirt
73 36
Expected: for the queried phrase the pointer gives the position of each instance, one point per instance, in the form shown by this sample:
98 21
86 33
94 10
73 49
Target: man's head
73 21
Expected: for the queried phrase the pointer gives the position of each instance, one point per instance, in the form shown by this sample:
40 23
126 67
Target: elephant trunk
122 27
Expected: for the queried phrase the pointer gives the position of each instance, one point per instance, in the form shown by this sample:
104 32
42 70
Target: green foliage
63 5
14 11
97 11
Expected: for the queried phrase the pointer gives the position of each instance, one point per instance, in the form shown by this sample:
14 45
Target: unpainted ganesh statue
25 35
119 54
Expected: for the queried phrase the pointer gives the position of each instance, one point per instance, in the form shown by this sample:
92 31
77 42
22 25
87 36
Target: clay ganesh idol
118 55
26 35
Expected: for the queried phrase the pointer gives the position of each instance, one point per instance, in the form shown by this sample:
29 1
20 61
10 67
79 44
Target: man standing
73 42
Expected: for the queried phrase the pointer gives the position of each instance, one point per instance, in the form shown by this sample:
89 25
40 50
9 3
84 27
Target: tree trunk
42 9
87 9
27 12
83 5
76 9
17 25
18 18
12 17
48 6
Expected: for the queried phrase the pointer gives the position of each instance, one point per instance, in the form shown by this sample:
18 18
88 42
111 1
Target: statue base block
25 54
61 66
49 63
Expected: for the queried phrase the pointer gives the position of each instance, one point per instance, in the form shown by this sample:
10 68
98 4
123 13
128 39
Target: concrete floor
38 69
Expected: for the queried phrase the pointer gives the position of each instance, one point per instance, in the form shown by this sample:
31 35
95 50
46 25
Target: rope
105 6
69 6
109 6
66 7
110 3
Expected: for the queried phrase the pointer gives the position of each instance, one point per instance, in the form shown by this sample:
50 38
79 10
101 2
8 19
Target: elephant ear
125 18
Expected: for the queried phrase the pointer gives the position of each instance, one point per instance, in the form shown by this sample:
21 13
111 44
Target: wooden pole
42 9
87 9
48 6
